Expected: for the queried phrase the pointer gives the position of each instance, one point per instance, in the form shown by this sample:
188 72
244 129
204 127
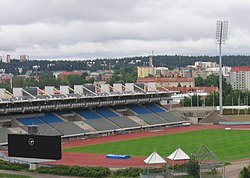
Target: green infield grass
226 144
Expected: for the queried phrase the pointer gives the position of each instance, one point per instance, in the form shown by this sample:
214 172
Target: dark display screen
34 146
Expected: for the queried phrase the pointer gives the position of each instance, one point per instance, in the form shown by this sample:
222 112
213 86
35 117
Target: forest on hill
117 63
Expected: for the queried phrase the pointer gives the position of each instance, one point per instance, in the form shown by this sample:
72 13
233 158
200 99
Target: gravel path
233 170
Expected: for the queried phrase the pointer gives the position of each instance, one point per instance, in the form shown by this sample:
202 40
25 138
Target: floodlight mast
221 37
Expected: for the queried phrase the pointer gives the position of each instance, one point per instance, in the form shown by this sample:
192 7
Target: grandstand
86 111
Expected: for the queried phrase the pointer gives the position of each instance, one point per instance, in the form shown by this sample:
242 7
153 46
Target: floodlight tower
221 37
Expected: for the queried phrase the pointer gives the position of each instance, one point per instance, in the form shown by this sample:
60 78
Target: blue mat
234 123
114 156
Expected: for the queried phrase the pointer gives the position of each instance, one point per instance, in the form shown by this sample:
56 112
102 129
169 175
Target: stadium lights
221 37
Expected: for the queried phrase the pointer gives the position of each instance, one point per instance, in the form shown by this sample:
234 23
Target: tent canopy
154 158
178 154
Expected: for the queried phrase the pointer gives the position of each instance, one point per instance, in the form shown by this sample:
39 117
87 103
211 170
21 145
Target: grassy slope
227 144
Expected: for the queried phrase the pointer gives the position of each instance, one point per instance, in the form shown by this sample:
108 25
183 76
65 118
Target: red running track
91 159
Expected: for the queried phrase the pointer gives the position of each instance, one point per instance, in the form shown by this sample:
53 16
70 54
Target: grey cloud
116 28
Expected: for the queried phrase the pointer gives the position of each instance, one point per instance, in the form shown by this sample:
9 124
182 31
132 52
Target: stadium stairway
85 126
138 120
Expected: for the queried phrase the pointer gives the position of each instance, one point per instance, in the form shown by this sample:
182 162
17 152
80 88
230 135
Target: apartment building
240 78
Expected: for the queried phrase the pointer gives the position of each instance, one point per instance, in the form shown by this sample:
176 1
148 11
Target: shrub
76 171
12 166
245 173
128 172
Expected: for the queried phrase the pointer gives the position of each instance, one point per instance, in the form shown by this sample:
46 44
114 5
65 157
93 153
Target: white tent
154 158
178 154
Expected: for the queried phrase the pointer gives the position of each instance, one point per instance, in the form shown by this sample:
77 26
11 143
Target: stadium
124 119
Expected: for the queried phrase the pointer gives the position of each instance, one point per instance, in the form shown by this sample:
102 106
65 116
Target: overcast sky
118 28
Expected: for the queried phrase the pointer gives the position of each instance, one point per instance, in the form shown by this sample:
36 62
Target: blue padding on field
114 156
234 123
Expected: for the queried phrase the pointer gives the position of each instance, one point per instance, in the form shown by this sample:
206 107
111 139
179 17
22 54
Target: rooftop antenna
221 37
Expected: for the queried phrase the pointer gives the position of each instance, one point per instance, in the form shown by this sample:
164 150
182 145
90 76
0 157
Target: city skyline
115 28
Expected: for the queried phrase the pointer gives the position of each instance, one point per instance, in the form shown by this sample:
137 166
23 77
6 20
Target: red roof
70 72
165 79
187 89
66 73
240 68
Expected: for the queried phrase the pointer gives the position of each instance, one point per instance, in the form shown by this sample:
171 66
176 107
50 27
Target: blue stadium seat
30 121
50 118
88 114
106 112
138 109
154 108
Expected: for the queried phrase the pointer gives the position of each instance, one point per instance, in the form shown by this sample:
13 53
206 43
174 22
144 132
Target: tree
193 168
74 79
127 74
199 81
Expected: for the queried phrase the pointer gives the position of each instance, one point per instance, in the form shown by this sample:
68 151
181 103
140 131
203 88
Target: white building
205 65
240 78
6 59
161 70
215 70
24 57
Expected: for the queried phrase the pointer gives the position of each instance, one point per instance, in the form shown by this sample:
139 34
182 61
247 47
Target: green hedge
76 171
128 172
12 166
13 176
235 111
